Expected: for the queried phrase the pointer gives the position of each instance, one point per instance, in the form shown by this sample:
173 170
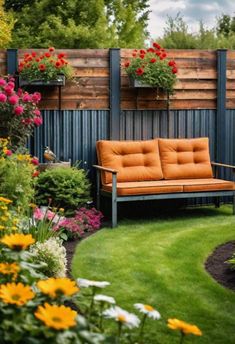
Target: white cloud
192 10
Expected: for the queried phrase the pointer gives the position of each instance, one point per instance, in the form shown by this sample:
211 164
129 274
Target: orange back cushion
134 160
185 158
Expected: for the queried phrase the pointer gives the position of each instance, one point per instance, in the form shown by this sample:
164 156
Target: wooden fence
196 87
203 103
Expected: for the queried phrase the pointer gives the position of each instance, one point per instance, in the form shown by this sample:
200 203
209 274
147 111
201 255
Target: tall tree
6 26
80 23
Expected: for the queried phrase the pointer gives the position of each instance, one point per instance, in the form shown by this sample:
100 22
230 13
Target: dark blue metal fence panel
141 125
71 134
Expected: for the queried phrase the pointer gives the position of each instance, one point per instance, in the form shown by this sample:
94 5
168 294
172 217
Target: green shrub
231 262
66 188
16 182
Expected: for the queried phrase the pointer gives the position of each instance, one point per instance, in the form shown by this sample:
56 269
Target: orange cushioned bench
158 169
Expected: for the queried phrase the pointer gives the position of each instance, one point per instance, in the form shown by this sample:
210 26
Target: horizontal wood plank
174 105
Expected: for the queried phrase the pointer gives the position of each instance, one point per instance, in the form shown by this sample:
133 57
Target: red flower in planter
139 71
152 67
44 66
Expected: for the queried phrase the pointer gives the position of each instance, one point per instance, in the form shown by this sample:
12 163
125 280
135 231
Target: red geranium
152 67
44 66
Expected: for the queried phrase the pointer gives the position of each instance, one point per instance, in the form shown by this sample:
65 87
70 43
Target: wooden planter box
60 81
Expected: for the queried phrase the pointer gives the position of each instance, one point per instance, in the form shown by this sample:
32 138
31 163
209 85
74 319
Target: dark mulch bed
218 269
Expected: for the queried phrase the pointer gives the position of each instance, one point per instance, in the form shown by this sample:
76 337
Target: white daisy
127 319
104 298
85 283
149 310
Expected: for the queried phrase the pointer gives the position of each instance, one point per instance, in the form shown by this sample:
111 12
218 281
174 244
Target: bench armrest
222 165
106 169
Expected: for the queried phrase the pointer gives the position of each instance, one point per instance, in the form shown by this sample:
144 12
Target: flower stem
92 303
142 327
182 337
101 316
119 331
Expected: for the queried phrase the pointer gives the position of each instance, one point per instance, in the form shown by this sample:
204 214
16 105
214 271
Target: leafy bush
19 110
16 182
53 254
85 220
66 188
231 262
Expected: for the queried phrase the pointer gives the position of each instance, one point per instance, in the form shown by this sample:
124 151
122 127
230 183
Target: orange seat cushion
145 188
185 158
170 186
134 160
210 184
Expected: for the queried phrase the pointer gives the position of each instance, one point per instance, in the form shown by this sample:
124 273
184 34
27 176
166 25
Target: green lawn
161 262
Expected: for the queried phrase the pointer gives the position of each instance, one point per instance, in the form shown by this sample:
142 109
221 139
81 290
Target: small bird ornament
49 155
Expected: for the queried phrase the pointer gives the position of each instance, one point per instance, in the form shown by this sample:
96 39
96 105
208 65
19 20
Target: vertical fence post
114 95
12 61
221 104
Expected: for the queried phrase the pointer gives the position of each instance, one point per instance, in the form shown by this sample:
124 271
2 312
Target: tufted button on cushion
134 160
185 158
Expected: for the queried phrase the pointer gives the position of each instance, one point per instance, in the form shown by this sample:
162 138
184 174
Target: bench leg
98 190
114 200
234 204
217 202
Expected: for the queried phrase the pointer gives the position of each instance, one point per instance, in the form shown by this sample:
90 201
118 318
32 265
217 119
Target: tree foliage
6 26
79 23
177 34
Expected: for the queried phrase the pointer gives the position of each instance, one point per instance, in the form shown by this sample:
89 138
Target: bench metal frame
180 195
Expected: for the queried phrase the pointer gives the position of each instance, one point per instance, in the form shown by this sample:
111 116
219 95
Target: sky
192 11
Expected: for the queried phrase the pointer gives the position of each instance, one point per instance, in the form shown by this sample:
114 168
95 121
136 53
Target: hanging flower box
44 69
151 68
137 84
59 81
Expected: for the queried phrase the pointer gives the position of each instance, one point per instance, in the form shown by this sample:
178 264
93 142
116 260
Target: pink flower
38 214
2 82
13 99
37 112
37 121
36 97
20 92
19 110
34 161
11 84
3 98
8 152
50 215
26 98
8 90
27 121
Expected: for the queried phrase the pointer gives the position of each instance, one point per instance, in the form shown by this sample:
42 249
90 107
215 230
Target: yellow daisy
18 241
16 293
55 286
4 218
5 200
57 317
185 328
9 268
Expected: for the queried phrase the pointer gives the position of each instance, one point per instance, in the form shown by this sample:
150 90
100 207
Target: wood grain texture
3 62
196 87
